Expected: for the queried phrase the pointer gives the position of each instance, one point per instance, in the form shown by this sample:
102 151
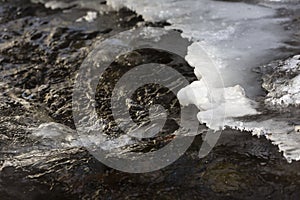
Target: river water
43 44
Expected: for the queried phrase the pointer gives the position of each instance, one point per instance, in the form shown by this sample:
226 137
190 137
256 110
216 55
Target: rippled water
41 157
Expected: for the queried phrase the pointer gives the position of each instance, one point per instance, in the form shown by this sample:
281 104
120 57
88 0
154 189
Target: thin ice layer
66 4
56 136
237 37
281 133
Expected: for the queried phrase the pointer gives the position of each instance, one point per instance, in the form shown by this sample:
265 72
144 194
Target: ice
283 84
89 17
53 4
57 136
233 104
95 5
288 94
236 37
230 39
56 5
281 133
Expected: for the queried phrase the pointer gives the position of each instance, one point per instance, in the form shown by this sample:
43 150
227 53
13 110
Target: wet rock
225 177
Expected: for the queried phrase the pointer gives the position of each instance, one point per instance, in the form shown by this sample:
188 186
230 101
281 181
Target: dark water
40 53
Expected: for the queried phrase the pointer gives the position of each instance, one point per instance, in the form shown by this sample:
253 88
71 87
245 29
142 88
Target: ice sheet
238 37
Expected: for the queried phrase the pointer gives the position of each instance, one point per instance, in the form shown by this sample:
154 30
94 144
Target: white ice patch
58 4
284 92
96 5
58 136
211 113
237 37
154 34
288 94
55 135
279 132
89 17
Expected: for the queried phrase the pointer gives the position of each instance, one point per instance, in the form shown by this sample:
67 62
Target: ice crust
229 40
283 84
237 37
279 132
89 17
56 136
